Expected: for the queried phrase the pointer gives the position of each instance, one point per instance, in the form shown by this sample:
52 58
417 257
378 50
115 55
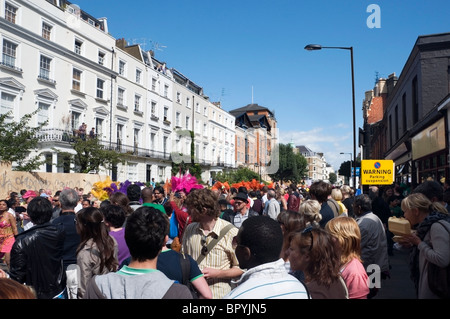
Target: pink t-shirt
356 279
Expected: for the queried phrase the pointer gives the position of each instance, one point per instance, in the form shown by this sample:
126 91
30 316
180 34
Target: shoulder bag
439 278
214 242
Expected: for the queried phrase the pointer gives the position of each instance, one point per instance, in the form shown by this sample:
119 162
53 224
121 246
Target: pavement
400 285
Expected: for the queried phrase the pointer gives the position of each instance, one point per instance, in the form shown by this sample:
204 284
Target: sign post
377 172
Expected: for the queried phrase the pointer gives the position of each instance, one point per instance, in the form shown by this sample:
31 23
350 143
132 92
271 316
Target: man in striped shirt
258 247
219 265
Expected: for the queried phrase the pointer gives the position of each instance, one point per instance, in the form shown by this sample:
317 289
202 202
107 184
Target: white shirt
268 281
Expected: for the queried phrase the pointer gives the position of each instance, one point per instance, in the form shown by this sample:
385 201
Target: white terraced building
62 61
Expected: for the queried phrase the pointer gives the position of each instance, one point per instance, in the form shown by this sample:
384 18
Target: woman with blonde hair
346 231
310 210
430 243
336 194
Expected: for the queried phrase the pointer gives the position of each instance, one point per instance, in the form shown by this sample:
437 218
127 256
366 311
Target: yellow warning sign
377 172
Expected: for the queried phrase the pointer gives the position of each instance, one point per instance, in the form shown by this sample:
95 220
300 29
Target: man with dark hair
68 199
146 232
147 199
258 247
320 191
37 254
160 196
241 211
431 189
134 195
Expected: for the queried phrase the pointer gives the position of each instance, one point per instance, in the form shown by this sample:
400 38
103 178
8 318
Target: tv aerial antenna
145 42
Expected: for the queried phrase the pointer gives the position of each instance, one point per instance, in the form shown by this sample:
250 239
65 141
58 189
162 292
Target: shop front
430 153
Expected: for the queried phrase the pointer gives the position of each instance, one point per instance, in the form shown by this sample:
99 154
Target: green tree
17 139
332 178
346 166
292 166
237 175
91 155
194 168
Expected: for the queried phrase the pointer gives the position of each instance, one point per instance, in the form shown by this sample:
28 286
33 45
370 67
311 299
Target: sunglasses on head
308 230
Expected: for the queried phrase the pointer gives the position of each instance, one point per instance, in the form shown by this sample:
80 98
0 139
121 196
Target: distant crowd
201 242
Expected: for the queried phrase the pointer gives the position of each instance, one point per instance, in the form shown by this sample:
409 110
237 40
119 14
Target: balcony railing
60 135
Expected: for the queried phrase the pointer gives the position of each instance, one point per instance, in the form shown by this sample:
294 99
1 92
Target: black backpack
186 269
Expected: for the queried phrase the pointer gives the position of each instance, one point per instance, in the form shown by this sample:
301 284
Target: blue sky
239 50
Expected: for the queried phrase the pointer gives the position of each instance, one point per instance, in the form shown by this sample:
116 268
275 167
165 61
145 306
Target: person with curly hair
97 252
219 263
315 252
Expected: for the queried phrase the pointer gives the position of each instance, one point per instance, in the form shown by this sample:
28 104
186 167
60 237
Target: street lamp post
349 178
314 47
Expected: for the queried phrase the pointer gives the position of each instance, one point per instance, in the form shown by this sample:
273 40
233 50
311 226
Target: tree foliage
292 166
332 178
194 168
91 155
17 140
235 176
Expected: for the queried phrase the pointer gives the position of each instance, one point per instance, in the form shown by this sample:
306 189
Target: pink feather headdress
185 183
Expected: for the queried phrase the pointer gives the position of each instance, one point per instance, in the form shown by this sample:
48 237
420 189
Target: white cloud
331 141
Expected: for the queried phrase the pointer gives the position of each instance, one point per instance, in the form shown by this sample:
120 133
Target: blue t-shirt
169 264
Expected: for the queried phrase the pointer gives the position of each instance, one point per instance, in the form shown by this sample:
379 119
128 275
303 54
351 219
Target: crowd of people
217 243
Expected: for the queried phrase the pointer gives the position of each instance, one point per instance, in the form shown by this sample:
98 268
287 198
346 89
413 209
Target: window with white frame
205 110
152 141
76 79
6 105
166 113
153 108
44 67
138 76
165 138
77 46
153 84
43 112
132 172
122 65
205 129
120 97
136 138
99 127
76 120
161 173
9 55
197 126
178 119
10 12
178 97
197 107
100 86
166 90
137 103
46 31
119 134
188 120
188 102
101 58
